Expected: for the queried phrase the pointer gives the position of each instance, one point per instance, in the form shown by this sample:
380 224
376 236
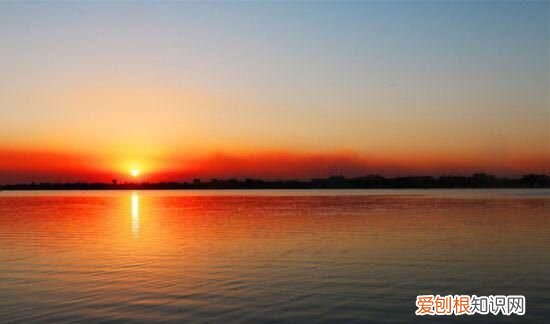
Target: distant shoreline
270 189
476 181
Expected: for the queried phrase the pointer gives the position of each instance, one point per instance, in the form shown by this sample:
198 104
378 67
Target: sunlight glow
135 214
134 172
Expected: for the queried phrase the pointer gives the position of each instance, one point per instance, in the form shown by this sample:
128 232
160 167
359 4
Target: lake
275 256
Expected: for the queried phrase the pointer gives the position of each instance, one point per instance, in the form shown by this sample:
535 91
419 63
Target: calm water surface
268 256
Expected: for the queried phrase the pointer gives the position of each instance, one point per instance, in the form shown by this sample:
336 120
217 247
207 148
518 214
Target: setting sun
192 161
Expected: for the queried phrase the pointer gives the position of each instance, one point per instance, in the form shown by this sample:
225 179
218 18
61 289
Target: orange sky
29 166
89 91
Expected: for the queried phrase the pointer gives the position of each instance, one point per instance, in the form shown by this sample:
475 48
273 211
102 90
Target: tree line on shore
478 180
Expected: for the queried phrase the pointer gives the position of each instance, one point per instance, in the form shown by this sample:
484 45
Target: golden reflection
135 214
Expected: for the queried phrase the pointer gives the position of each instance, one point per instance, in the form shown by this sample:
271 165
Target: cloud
299 165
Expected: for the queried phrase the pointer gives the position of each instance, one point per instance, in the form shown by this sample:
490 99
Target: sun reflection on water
135 214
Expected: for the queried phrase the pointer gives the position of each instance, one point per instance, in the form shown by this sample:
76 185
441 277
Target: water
268 256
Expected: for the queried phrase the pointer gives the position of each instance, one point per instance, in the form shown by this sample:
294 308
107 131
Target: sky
179 90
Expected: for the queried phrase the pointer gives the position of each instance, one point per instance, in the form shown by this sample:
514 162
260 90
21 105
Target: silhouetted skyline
479 180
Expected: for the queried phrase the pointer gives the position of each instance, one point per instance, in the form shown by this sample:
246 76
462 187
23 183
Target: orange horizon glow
39 166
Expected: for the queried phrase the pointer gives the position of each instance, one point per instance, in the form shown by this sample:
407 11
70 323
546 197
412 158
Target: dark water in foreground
268 256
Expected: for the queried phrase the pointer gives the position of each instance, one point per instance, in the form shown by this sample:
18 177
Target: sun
134 173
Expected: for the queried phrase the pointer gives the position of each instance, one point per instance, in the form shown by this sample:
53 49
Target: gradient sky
181 90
